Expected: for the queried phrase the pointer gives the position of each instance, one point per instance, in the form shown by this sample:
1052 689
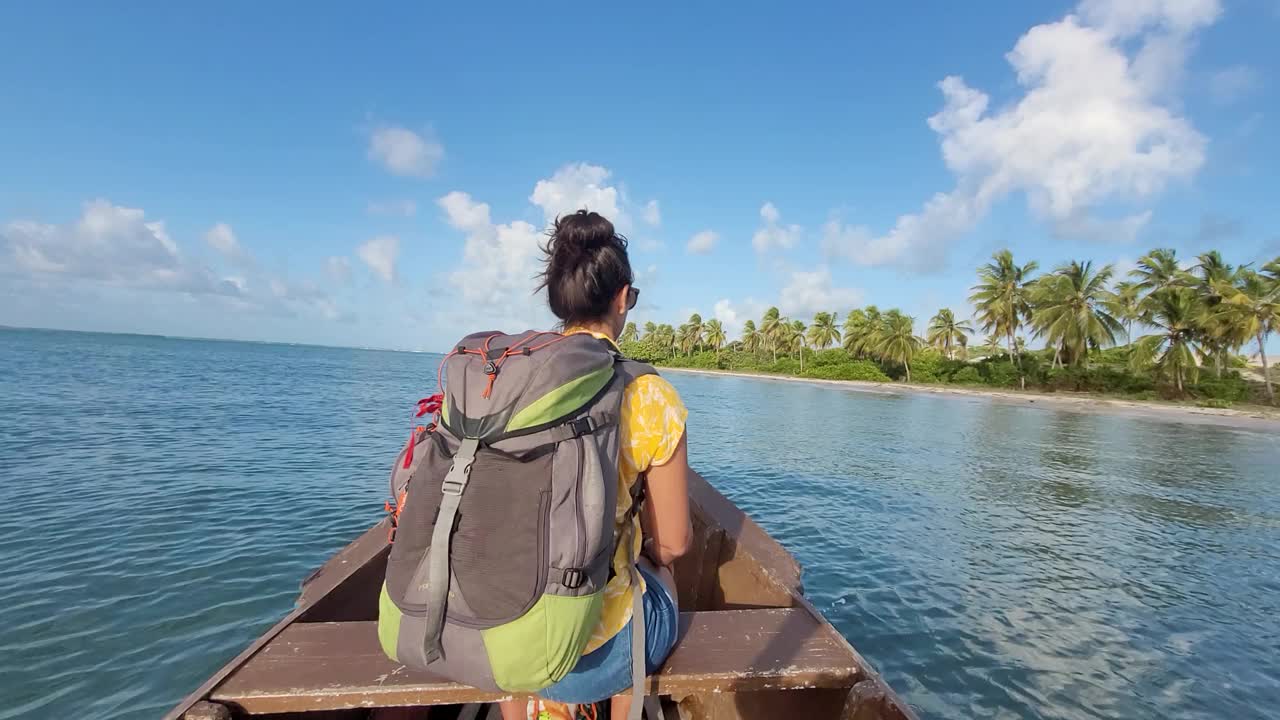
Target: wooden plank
208 711
331 575
794 704
333 666
753 570
871 699
346 587
871 696
695 572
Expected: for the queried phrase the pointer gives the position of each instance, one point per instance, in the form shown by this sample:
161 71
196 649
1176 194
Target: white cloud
732 315
725 312
774 235
646 277
222 238
338 269
1229 85
1083 226
652 213
1092 127
404 152
380 254
400 208
703 242
808 292
647 280
464 213
729 317
500 261
111 244
119 248
579 186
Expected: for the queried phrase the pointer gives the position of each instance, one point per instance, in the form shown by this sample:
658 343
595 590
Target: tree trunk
801 361
908 367
1266 372
1017 361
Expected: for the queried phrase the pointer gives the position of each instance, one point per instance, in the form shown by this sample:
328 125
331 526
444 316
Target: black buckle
582 426
573 578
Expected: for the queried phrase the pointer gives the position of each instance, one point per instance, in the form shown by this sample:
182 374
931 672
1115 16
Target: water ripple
160 501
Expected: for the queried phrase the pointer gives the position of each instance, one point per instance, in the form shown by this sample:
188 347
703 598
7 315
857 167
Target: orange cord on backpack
495 365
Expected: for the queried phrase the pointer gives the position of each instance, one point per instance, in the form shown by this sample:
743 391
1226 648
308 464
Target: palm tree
992 346
650 330
855 327
1157 270
861 328
1124 304
751 338
823 333
797 340
1253 307
1272 270
897 340
1220 334
945 333
771 329
1210 271
665 339
693 333
629 333
1002 299
713 333
1071 310
1173 311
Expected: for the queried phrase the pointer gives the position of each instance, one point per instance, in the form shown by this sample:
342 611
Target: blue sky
308 173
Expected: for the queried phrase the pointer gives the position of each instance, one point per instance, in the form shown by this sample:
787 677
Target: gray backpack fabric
505 529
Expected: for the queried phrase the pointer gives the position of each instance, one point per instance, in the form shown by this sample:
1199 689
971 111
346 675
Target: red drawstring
488 388
430 405
408 452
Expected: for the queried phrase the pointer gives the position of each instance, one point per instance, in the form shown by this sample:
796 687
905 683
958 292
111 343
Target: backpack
504 511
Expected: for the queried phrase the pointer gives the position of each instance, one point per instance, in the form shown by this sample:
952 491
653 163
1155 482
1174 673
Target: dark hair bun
586 266
581 231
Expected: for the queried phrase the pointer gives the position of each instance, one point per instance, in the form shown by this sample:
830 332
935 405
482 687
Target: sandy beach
1253 417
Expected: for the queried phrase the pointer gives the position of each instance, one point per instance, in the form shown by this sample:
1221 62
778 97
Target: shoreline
1257 417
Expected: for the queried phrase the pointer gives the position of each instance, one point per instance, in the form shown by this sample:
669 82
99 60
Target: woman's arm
665 516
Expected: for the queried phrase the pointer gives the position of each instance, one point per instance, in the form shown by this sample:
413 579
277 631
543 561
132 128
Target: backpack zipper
579 515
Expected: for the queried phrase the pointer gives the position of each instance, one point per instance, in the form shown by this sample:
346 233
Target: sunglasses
633 294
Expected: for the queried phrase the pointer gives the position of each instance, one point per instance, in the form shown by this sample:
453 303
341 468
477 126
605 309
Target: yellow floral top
652 423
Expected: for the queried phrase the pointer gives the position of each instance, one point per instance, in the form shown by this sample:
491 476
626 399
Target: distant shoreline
1252 417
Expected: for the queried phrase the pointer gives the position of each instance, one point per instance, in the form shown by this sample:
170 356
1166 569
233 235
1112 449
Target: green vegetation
1192 324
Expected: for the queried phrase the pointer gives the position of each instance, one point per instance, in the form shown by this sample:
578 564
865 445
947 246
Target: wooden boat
752 646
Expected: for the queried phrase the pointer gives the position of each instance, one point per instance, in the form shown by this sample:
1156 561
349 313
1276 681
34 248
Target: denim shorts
606 671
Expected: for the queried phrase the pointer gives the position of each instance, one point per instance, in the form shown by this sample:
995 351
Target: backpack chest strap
436 562
578 427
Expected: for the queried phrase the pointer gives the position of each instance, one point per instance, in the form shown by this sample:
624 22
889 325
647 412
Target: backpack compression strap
437 560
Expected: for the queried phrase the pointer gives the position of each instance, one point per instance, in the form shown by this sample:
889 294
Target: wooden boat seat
334 666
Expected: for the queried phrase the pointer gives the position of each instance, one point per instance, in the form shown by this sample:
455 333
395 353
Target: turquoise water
161 499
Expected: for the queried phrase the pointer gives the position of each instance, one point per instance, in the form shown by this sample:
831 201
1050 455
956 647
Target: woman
588 281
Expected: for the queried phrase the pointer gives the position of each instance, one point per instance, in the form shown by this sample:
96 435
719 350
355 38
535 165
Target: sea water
161 499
